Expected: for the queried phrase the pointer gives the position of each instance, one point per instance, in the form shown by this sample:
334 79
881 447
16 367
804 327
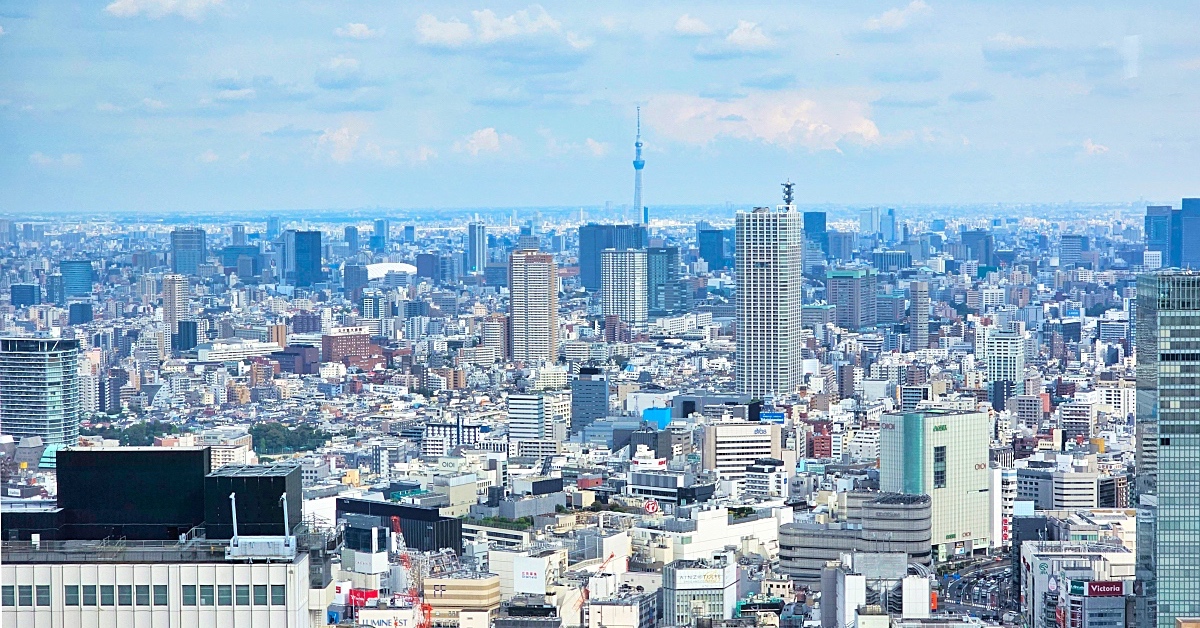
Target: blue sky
230 105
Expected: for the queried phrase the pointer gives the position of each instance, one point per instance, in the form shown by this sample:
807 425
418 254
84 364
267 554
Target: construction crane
586 592
422 610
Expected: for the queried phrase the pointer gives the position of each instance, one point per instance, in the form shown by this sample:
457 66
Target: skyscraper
533 306
1070 249
623 285
982 246
770 252
188 251
302 258
354 278
589 398
1168 446
1161 225
272 227
476 247
852 291
665 291
1185 229
237 235
638 165
175 302
351 237
868 221
1004 354
39 389
381 234
712 248
815 230
77 277
918 293
889 226
594 238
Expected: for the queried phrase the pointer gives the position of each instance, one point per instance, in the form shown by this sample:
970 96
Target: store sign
1110 588
529 575
698 578
941 428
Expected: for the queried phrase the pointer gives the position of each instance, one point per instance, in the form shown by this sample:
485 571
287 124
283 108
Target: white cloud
245 93
748 36
524 22
66 159
787 119
340 143
108 107
692 26
599 149
1011 42
152 104
207 157
484 141
895 20
1190 64
1092 148
2 32
449 34
154 9
422 154
356 30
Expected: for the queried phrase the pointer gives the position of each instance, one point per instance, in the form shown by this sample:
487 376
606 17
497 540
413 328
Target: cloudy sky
206 105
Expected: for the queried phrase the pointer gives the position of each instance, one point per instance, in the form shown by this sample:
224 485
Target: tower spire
789 193
638 164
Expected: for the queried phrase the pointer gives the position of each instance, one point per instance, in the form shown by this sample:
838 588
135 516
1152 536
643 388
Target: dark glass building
815 230
188 250
666 292
713 244
77 276
594 238
302 259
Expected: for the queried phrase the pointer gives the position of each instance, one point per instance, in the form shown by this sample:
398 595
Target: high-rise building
666 294
272 227
1070 249
712 248
1162 224
981 246
815 230
533 306
1004 354
410 234
868 221
589 398
918 293
889 226
623 285
39 389
852 292
188 250
937 452
351 237
595 238
528 417
354 278
302 258
56 289
174 302
77 275
237 235
25 294
770 253
1168 445
381 234
477 247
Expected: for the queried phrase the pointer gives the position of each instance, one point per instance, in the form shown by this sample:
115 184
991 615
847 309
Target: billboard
529 575
771 417
699 579
1098 588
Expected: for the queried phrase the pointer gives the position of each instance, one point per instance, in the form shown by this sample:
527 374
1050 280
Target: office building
25 294
533 306
841 245
39 389
1004 354
589 398
56 289
815 231
77 277
731 448
1186 230
272 227
1168 442
666 293
302 258
80 313
381 234
943 454
918 318
1070 249
350 235
889 227
981 246
595 238
1163 228
354 279
852 292
187 337
188 250
477 248
695 589
713 245
174 302
868 221
345 342
769 253
623 286
529 418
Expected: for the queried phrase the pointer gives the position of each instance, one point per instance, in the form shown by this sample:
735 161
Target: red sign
1110 588
359 597
651 506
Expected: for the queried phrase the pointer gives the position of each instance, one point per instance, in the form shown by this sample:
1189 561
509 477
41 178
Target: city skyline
141 105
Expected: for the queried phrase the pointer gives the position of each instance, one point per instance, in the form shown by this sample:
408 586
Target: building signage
1109 588
699 579
941 428
529 575
771 417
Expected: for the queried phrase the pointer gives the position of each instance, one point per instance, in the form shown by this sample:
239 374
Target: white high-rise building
533 306
175 301
623 285
770 253
919 321
529 418
1005 357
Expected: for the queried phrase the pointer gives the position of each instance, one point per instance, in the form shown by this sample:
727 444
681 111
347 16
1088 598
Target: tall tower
476 247
39 389
623 285
770 253
533 306
919 321
175 301
188 251
638 165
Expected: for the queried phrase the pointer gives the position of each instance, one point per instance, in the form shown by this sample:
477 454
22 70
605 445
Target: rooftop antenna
789 193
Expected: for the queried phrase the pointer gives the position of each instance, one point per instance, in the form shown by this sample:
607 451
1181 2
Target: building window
25 595
242 595
224 595
124 595
278 595
8 595
107 595
43 595
142 593
89 595
260 595
206 595
189 594
71 595
939 467
160 595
